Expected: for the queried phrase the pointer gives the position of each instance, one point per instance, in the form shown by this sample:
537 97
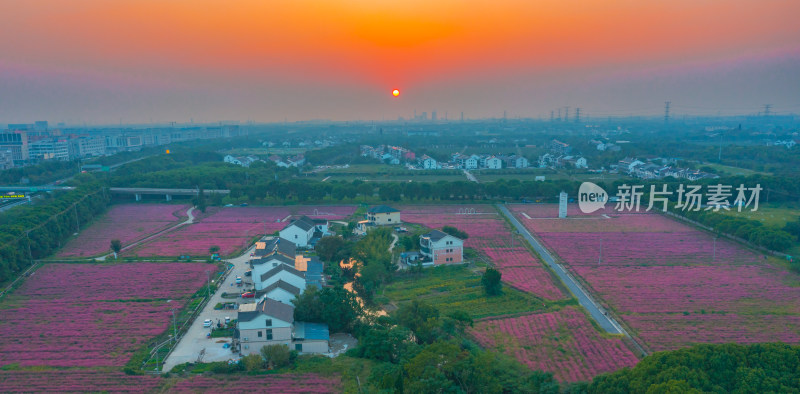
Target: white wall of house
580 163
494 163
521 162
297 235
429 164
311 346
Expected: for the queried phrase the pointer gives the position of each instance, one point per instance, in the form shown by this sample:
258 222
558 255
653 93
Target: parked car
248 273
248 294
227 320
207 323
238 280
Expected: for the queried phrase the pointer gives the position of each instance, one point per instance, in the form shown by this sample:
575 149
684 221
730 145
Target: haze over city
99 62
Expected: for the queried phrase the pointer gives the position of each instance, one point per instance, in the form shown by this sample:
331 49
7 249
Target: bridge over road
139 191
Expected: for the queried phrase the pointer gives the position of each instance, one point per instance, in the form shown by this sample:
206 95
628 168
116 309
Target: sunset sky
106 61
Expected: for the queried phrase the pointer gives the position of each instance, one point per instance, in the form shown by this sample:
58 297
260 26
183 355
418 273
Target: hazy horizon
95 62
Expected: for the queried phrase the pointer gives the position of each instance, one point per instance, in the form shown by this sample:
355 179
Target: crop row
127 222
78 322
562 342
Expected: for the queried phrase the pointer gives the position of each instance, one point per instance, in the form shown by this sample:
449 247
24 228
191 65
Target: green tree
421 318
213 249
116 246
329 247
455 232
253 362
491 282
278 356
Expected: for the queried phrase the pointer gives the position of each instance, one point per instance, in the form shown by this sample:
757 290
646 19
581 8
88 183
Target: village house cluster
396 155
280 272
657 168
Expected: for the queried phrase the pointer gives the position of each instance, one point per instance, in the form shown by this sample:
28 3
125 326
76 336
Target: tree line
31 232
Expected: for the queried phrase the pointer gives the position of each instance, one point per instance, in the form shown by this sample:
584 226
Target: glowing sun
396 92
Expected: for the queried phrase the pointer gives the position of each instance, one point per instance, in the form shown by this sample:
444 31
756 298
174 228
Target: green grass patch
456 287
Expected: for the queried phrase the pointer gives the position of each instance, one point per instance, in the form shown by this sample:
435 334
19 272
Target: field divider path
190 220
598 314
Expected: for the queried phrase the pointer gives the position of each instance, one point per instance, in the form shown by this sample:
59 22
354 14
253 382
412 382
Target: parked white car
207 323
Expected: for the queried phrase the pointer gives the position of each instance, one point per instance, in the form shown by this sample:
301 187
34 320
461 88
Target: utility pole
600 256
577 115
208 284
714 256
174 326
666 111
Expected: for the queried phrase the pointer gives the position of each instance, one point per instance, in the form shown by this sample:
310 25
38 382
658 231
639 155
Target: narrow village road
596 311
470 177
194 341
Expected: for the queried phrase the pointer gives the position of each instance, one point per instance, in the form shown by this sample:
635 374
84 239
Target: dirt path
190 220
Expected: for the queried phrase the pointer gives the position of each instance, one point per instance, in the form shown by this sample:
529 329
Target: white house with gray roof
270 322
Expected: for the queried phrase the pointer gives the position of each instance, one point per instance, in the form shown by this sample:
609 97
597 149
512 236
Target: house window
269 334
259 334
298 347
269 323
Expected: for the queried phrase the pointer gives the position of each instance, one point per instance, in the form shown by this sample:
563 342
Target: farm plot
489 234
89 315
231 229
650 269
562 342
128 223
306 383
76 381
452 288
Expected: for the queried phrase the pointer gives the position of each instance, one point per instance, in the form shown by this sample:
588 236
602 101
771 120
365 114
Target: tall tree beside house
491 282
213 249
116 246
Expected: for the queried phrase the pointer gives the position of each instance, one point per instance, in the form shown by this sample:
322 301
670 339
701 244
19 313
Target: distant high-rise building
17 143
40 125
424 116
433 116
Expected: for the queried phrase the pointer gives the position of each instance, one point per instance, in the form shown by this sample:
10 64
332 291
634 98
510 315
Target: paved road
596 311
195 341
470 177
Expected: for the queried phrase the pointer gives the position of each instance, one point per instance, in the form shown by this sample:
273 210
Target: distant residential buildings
31 143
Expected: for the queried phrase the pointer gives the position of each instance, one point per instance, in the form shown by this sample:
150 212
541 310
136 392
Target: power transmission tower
767 107
559 114
552 115
566 114
577 115
666 111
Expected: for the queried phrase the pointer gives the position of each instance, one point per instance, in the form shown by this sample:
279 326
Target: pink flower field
126 222
562 342
76 381
81 381
231 229
489 234
306 383
89 315
663 279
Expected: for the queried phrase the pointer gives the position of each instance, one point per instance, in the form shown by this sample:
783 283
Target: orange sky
358 50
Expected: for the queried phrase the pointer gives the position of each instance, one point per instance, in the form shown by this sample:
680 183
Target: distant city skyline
137 61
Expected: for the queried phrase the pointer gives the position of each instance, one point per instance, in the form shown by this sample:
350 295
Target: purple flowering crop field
489 234
231 229
89 315
306 383
666 282
126 222
76 381
562 342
